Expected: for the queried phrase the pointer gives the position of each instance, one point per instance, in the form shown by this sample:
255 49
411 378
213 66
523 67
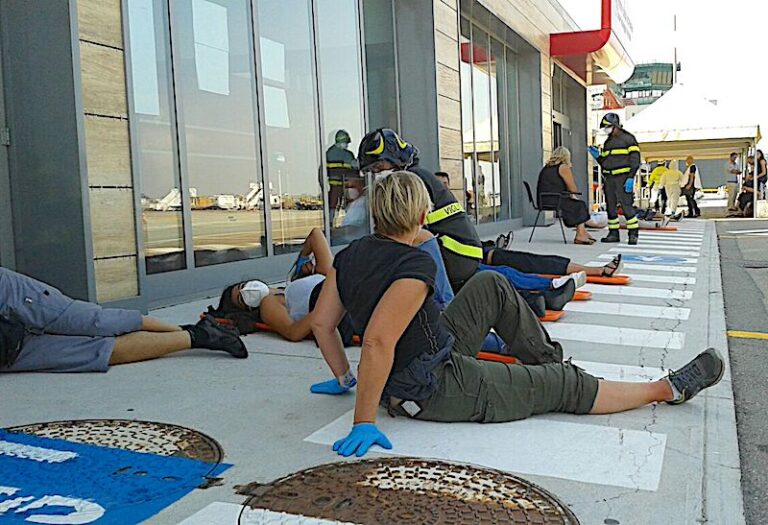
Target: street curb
722 500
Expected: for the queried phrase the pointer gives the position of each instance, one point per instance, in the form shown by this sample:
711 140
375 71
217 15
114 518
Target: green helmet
342 136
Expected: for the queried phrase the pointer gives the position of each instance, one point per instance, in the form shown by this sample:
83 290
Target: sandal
614 267
588 242
295 271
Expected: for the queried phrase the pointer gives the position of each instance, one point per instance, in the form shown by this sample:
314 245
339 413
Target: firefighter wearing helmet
381 152
619 160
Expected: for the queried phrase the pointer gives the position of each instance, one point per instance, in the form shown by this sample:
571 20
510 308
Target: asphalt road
744 266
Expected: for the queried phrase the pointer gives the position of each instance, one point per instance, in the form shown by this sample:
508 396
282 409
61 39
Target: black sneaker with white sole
704 371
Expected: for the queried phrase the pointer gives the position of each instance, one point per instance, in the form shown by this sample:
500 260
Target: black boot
613 236
557 299
536 302
207 333
633 236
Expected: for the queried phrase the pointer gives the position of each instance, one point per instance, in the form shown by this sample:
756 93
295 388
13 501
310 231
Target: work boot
704 371
613 236
557 299
536 302
633 236
207 333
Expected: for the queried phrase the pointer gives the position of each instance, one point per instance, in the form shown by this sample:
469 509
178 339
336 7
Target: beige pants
673 198
733 192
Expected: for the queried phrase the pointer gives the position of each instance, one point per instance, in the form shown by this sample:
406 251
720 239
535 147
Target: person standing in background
670 182
732 173
658 195
619 161
691 183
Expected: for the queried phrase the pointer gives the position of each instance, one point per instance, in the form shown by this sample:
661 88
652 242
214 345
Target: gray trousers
484 391
67 335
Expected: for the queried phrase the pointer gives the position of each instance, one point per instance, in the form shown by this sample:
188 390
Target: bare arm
326 317
391 317
275 314
566 174
317 244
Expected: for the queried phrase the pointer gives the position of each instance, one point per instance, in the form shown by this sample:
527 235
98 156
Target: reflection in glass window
481 101
381 76
467 124
342 103
291 157
215 90
490 124
153 123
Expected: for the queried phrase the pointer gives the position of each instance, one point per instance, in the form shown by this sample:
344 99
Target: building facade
157 150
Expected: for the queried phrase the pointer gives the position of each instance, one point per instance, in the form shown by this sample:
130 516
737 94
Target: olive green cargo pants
485 391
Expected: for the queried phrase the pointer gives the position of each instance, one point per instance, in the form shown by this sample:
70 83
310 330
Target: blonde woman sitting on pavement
420 363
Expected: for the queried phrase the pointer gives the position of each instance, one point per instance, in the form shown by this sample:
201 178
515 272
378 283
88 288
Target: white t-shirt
297 295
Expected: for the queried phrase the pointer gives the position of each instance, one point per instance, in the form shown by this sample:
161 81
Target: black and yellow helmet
610 120
385 144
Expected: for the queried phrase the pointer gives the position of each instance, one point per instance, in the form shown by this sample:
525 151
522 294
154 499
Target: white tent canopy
683 123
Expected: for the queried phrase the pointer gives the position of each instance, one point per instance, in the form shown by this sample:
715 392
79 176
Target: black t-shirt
364 272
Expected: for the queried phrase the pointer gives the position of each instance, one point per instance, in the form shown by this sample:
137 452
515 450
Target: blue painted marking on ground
42 481
658 259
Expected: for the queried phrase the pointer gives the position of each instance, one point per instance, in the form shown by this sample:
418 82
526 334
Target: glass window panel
342 113
380 71
513 131
215 89
481 85
291 156
467 123
501 148
152 120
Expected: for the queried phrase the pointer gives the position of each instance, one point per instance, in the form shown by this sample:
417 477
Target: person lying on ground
382 151
43 330
420 363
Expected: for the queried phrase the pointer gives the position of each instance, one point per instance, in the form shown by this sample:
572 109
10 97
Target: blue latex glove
331 387
360 439
594 151
629 185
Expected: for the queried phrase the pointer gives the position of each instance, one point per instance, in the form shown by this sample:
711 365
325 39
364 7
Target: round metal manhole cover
136 436
407 491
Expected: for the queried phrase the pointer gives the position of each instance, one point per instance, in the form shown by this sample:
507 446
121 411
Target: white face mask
383 173
253 292
352 193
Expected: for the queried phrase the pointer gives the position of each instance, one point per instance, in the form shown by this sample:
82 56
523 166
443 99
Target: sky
722 47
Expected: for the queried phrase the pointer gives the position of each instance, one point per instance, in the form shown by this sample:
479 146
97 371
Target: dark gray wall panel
48 194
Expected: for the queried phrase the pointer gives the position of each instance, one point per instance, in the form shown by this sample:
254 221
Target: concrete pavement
657 464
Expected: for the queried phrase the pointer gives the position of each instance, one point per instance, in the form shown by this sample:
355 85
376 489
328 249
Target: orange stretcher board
498 358
581 295
598 279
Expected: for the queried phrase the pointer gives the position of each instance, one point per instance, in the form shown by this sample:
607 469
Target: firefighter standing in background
340 163
619 161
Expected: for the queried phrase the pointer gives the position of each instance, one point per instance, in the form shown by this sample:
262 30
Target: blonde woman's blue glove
362 437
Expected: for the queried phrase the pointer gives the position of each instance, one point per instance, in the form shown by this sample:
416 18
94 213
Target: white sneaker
557 282
579 278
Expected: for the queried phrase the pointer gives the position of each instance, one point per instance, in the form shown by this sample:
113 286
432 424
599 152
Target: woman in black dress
557 177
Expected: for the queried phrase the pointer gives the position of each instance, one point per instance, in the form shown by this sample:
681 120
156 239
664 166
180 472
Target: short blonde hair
398 202
561 155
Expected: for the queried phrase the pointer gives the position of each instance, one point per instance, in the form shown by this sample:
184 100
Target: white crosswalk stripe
648 267
667 279
649 249
616 335
629 310
649 235
636 291
653 260
680 242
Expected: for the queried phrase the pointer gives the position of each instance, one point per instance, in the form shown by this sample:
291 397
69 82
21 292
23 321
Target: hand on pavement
360 439
331 387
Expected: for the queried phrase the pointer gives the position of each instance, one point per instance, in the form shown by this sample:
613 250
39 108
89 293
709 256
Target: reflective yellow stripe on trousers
613 224
444 212
617 171
633 223
452 245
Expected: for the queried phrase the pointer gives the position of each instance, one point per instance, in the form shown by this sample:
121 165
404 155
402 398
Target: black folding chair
546 202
